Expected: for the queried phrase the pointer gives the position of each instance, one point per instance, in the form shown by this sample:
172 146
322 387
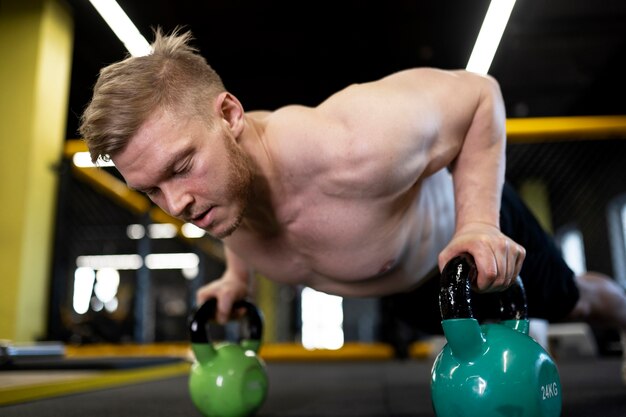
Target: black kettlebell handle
206 312
455 294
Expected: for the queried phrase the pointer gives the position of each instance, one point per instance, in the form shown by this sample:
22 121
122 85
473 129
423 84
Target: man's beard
240 183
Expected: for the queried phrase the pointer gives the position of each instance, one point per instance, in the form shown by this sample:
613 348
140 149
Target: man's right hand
226 290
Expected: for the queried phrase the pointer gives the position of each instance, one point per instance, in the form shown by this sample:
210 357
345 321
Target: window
617 234
322 320
570 240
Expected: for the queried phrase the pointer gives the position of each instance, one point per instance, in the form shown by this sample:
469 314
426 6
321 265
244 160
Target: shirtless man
363 195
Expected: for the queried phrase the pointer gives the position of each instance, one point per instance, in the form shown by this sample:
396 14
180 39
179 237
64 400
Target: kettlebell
227 379
494 369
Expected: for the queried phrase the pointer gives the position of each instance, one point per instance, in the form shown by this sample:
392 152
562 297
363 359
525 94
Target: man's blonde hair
173 77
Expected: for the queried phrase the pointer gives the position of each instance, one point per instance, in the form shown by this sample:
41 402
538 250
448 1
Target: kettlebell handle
455 294
207 311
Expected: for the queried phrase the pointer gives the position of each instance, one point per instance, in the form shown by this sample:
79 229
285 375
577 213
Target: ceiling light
489 36
192 231
119 262
83 160
172 260
162 231
123 27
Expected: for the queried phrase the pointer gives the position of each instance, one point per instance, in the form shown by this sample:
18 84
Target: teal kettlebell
493 370
227 379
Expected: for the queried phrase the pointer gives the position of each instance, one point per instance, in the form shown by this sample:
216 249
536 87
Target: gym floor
590 386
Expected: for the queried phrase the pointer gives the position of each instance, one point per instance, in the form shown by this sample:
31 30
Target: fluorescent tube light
119 262
172 260
83 160
192 231
134 261
122 26
489 36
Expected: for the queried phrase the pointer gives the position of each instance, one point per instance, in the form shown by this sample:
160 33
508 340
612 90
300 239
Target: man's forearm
236 268
478 170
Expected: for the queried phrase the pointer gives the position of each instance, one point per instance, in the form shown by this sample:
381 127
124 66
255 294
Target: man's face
193 172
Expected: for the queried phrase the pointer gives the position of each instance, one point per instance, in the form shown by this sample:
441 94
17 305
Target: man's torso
358 248
361 200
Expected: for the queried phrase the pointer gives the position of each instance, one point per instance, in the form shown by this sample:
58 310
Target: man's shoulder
259 114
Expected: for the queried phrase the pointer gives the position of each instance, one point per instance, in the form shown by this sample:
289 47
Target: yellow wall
267 299
535 194
35 63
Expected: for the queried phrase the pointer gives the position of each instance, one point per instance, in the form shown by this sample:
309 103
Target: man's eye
183 169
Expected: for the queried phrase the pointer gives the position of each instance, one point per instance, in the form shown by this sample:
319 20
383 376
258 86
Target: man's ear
230 110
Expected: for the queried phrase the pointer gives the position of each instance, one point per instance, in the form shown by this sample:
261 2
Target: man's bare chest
331 246
356 247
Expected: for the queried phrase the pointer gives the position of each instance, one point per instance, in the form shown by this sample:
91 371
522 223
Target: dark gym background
557 58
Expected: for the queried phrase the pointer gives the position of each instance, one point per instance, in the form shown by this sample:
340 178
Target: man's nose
177 200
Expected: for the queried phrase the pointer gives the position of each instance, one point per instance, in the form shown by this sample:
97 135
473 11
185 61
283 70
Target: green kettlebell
493 370
227 379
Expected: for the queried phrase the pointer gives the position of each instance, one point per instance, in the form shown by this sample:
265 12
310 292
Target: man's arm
478 172
414 123
230 287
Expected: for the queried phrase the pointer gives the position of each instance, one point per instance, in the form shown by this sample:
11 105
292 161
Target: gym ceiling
556 57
